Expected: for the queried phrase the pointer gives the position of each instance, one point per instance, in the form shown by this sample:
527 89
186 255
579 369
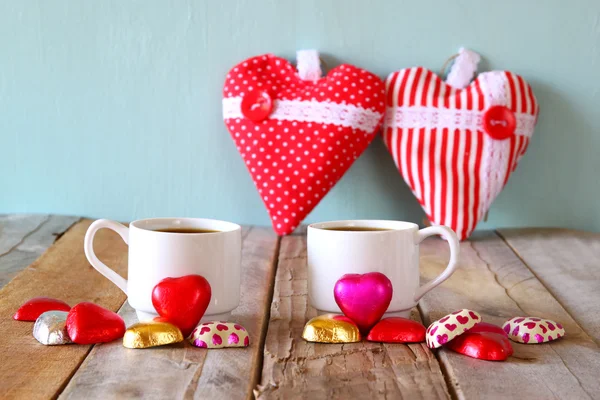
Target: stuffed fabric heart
298 133
457 147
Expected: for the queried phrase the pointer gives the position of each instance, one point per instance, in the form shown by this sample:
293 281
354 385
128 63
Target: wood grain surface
28 368
549 273
294 368
182 370
24 237
492 280
567 262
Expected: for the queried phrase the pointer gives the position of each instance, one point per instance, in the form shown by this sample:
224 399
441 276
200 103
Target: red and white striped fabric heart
299 133
456 148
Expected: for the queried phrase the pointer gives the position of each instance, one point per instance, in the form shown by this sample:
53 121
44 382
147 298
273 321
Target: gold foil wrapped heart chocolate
219 334
452 325
50 328
331 328
532 330
151 334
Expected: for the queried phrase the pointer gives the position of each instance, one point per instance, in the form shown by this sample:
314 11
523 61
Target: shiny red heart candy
487 327
88 323
397 330
482 345
33 308
182 301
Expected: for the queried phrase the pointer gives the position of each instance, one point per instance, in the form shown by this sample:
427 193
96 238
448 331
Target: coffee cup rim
389 225
152 224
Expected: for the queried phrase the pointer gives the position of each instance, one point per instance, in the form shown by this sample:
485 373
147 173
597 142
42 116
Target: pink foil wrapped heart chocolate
533 330
219 334
363 298
452 325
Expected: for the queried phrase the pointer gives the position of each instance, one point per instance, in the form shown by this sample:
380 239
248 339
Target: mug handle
88 248
452 239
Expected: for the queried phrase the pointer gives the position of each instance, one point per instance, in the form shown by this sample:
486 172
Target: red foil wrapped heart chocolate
397 330
533 330
182 301
88 323
482 345
363 298
33 308
487 327
452 325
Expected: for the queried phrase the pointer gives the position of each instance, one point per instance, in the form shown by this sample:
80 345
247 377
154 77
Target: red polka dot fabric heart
299 136
457 147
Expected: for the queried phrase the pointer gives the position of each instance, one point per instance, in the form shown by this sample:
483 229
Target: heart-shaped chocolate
450 326
397 330
456 148
50 328
182 301
363 298
482 345
533 330
487 327
143 335
33 308
219 334
88 323
331 328
298 136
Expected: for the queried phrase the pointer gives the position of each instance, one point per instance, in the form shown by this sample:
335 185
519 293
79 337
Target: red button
257 105
499 122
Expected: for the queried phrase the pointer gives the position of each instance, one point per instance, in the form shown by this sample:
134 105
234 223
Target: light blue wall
112 108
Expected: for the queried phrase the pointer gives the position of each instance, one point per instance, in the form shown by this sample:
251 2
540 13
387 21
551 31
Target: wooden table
551 273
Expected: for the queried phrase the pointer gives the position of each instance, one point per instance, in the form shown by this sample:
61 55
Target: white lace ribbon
464 68
320 112
308 65
429 117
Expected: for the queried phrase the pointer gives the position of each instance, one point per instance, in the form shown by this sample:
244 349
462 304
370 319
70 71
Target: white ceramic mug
393 250
154 256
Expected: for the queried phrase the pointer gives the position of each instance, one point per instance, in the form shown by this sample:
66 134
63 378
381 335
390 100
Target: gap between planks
265 327
294 368
46 276
493 281
533 272
24 238
182 371
554 275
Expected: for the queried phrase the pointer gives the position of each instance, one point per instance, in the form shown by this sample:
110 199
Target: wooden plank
29 369
567 262
491 279
24 237
184 371
294 368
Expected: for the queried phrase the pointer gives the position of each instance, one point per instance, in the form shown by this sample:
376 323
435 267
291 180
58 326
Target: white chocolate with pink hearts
219 334
533 330
452 325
